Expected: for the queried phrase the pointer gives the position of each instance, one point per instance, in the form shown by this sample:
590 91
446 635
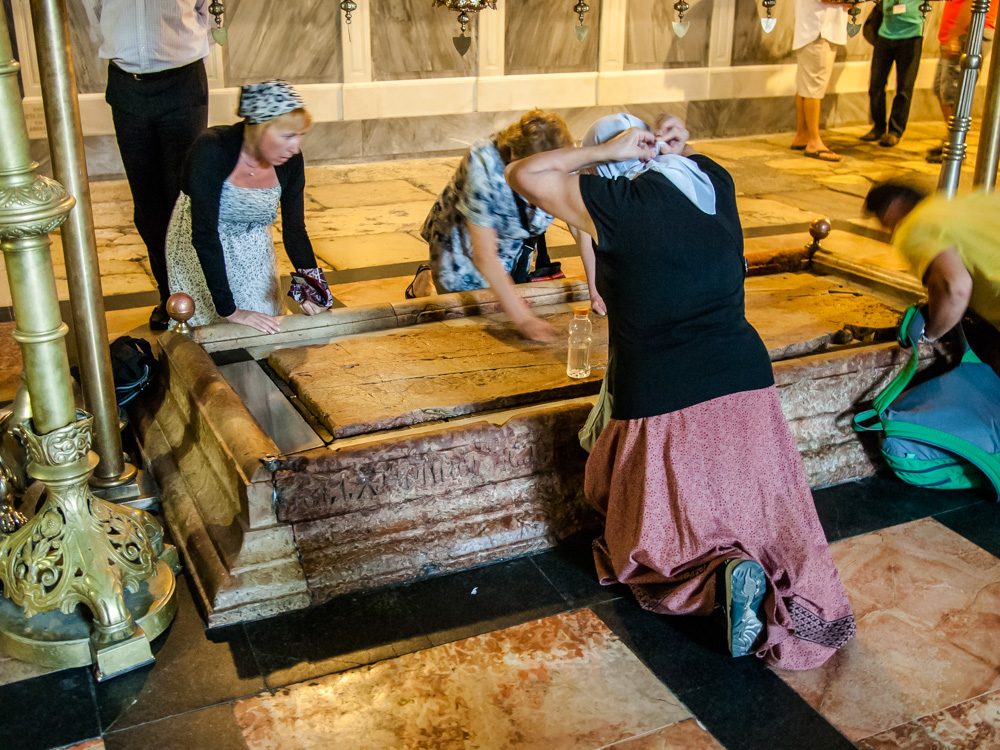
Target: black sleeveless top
672 278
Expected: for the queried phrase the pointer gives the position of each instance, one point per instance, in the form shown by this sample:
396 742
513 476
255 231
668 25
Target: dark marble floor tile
343 633
193 669
570 568
48 711
213 728
481 600
741 702
979 523
877 502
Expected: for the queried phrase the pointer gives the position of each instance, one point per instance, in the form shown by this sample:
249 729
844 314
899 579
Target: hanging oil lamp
581 9
218 10
768 22
681 26
348 7
464 8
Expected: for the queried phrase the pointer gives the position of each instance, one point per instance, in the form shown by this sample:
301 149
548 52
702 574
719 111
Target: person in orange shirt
952 34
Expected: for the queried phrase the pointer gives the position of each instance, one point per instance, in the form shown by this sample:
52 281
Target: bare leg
810 113
801 135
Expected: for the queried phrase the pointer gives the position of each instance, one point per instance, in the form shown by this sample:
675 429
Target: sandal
408 294
824 154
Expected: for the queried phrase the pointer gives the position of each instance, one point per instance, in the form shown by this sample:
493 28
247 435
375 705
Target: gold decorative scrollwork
65 445
127 539
44 565
41 192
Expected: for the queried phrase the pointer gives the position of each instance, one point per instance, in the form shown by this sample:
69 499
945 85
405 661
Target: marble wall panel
413 39
85 41
650 41
751 46
540 37
298 41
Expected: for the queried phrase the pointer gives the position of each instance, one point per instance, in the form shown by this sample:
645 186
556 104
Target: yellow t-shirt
971 225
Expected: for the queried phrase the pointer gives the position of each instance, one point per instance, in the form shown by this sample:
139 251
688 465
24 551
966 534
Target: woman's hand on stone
311 308
260 321
630 144
536 329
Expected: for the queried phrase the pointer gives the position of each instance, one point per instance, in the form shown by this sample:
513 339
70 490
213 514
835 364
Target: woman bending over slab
697 474
479 229
219 246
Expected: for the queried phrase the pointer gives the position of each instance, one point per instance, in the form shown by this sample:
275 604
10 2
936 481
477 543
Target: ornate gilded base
52 639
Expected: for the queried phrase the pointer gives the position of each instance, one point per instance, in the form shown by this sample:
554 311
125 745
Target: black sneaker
158 319
871 135
746 585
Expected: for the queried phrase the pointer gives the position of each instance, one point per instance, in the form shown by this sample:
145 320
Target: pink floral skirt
683 492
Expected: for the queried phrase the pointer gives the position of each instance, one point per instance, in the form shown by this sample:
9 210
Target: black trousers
157 118
905 53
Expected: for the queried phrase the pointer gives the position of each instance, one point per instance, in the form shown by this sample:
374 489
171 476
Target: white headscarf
684 173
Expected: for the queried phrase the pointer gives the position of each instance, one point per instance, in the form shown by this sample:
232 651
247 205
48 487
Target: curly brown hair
535 132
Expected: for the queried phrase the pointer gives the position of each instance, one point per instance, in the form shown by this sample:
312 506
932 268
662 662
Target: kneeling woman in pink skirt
697 474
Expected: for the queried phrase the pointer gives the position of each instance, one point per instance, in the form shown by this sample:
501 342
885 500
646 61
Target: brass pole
77 549
69 165
988 153
958 125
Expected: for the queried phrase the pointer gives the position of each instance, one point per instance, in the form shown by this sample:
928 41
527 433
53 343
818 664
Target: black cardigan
211 160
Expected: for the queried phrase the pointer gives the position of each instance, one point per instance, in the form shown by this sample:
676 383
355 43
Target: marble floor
532 652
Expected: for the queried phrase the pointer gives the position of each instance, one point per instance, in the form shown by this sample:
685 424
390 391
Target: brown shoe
871 135
888 140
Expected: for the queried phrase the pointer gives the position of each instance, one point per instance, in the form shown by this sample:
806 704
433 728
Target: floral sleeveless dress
245 219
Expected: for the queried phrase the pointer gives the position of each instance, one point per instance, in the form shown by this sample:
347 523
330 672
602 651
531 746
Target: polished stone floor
532 652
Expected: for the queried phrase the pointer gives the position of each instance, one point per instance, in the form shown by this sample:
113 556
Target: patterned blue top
478 193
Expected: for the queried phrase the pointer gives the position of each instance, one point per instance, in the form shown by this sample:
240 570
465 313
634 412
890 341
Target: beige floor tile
684 735
562 682
352 195
369 250
350 222
359 293
761 212
127 283
926 602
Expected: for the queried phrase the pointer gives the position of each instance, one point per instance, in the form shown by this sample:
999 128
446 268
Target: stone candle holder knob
180 308
819 230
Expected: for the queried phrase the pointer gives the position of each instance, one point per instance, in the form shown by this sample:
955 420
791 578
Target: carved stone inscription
325 483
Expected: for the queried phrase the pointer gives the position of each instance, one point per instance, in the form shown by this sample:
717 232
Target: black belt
158 75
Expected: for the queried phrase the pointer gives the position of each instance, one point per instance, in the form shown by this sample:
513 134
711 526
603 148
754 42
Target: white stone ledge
335 102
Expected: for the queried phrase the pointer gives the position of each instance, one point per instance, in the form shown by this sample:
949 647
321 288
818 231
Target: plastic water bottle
578 353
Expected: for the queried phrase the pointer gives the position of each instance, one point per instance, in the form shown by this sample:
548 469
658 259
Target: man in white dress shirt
820 28
158 92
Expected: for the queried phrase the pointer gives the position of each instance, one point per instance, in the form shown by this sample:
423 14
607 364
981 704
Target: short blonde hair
298 120
535 132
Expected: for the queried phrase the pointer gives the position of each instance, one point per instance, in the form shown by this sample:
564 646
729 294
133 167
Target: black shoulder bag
521 272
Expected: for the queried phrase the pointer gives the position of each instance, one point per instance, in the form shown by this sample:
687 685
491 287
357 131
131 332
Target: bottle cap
581 311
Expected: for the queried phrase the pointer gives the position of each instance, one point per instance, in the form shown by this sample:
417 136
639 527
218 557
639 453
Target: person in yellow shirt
953 246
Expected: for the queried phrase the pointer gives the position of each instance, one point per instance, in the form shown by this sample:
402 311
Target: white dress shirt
815 19
147 36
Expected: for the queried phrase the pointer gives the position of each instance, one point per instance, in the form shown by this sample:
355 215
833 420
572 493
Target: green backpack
945 432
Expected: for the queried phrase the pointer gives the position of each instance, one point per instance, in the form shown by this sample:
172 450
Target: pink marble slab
684 735
972 725
564 681
927 603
